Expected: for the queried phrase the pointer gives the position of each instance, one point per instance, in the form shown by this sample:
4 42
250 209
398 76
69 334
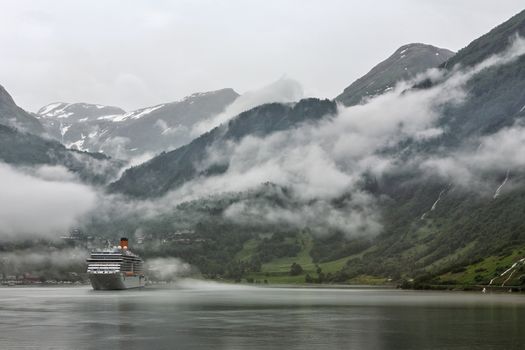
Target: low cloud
25 259
50 262
325 165
428 134
283 90
52 173
322 162
45 204
139 159
357 216
495 154
170 131
167 269
116 146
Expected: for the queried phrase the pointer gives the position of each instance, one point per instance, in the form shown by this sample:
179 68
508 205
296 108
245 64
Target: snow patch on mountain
81 111
57 110
47 109
64 115
64 129
136 114
109 117
77 145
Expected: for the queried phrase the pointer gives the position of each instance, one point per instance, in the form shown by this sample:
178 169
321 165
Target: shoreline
313 286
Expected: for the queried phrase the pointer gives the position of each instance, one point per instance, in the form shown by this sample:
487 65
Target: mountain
496 96
491 43
77 112
16 117
408 61
441 233
118 133
21 145
172 169
25 149
437 232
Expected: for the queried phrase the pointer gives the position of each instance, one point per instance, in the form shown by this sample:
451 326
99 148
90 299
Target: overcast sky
140 53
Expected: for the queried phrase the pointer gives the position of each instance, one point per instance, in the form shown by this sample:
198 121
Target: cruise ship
115 268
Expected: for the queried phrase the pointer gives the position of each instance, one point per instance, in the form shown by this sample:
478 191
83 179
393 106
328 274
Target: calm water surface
199 315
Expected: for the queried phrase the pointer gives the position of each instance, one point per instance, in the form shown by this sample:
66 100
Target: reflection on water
201 315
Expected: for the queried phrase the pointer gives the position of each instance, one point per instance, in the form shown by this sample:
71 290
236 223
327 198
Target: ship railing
103 271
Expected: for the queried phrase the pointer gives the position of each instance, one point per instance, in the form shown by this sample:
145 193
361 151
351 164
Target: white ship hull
115 281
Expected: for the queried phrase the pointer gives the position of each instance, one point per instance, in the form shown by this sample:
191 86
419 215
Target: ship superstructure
115 268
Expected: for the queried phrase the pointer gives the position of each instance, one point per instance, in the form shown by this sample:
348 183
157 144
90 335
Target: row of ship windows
114 268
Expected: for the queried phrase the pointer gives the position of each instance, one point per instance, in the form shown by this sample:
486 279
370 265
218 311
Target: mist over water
166 269
206 315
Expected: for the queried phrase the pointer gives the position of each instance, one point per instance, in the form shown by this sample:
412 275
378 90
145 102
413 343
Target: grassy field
453 256
277 271
482 272
247 250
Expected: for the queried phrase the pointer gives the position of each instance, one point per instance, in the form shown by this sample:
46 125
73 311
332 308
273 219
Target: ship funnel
124 243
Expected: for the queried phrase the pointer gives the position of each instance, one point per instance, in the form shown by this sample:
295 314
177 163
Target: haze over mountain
147 131
171 170
113 131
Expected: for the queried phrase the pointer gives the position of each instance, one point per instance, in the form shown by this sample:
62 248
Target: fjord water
200 315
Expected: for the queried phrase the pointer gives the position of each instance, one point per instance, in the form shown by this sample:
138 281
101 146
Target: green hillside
435 231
